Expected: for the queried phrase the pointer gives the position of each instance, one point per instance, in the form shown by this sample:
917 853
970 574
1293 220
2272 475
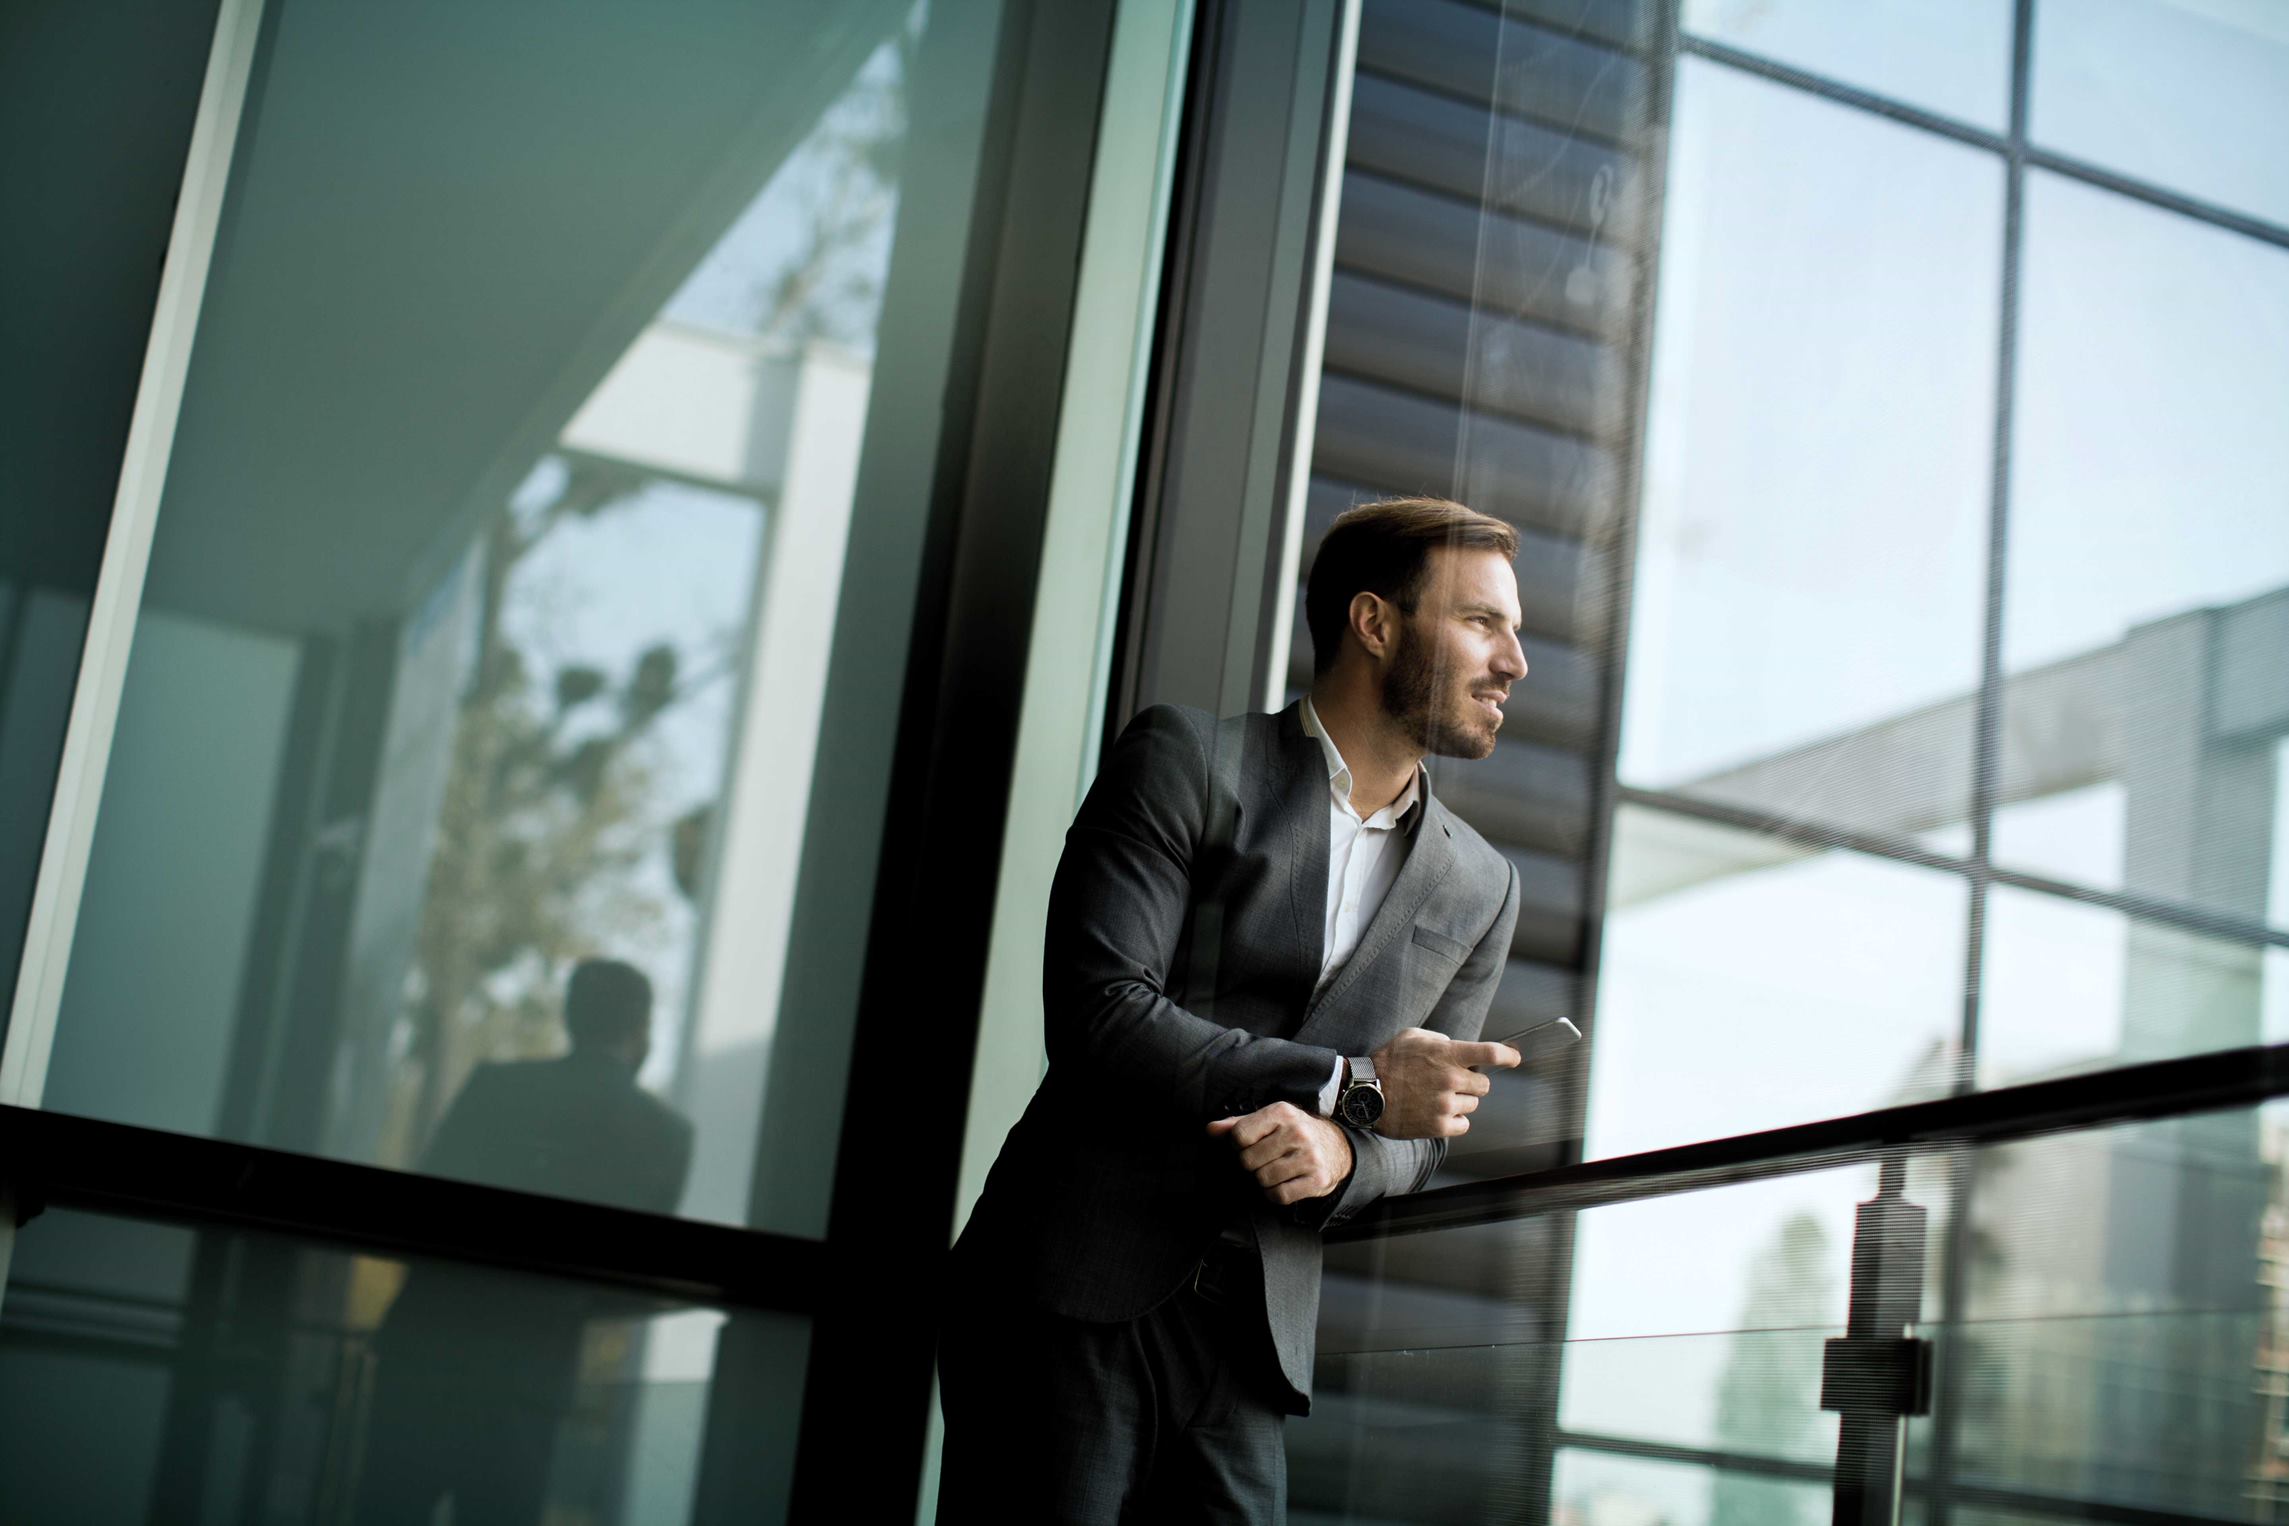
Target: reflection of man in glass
1269 954
475 1368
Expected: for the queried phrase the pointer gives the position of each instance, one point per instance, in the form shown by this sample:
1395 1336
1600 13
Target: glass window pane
1594 1488
1805 622
1439 1355
151 1372
2122 1336
496 587
1748 983
2146 615
2074 835
1950 56
2072 987
2146 468
1727 1359
2190 94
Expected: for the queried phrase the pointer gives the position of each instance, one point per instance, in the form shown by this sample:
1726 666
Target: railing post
1877 1375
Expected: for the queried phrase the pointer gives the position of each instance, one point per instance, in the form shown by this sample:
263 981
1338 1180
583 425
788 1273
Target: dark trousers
1175 1415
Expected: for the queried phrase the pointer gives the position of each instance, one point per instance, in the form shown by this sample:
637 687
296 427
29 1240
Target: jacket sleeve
1117 911
1381 1167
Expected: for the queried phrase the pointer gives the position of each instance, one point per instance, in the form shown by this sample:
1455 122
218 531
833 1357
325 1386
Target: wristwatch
1361 1101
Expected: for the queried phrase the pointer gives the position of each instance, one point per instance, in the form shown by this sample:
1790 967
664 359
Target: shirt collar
1339 779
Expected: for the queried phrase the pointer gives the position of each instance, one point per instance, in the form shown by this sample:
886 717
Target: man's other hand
1429 1088
1293 1154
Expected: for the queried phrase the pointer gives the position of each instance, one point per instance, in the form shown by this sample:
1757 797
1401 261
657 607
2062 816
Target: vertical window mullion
1986 770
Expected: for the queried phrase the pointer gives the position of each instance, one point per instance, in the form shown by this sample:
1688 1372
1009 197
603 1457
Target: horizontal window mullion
56 1160
1822 837
2050 160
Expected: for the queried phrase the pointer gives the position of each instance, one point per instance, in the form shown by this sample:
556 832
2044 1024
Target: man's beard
1411 687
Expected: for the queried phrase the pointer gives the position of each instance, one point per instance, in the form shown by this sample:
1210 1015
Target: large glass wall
582 468
2035 675
2015 555
496 583
1888 398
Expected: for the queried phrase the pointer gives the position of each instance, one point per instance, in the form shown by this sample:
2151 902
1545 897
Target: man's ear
1373 623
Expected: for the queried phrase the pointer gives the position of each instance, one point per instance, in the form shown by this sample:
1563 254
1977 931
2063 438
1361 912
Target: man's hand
1293 1154
1429 1088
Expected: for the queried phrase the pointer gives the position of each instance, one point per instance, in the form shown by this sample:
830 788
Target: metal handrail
55 1159
2124 1094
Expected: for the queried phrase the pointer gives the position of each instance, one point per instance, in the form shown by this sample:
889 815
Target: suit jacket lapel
1429 858
1303 799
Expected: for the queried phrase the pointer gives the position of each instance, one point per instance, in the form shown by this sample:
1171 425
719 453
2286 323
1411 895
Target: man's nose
1510 662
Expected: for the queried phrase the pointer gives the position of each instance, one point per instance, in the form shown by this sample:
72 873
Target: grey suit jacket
1183 944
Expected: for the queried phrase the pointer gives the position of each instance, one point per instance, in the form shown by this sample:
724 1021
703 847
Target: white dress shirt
1364 856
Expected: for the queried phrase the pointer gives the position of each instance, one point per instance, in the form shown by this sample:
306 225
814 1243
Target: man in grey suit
1269 954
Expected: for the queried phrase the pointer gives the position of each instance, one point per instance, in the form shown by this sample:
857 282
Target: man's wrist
1342 1169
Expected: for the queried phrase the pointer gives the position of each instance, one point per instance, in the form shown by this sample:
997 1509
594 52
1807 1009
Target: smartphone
1543 1039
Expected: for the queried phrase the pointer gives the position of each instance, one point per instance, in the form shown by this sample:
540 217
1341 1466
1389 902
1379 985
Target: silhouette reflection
475 1369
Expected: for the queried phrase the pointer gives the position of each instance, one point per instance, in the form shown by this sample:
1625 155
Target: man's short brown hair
1382 548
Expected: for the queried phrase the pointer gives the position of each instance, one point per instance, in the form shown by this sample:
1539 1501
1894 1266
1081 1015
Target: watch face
1363 1105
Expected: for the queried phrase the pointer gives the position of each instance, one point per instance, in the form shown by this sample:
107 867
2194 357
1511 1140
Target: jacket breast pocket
1439 943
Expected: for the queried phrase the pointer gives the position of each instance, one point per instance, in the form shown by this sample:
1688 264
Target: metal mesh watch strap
1359 1076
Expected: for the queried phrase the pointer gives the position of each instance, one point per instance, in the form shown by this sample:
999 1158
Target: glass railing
2060 1302
150 1372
